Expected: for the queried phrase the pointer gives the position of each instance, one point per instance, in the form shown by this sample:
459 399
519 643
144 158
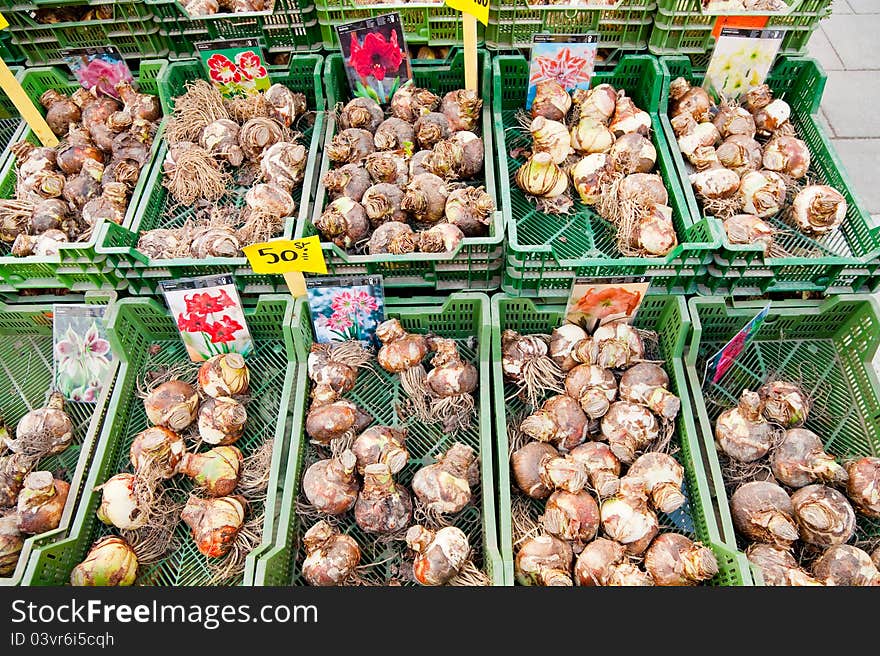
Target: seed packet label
593 303
235 67
285 255
479 9
209 316
567 58
101 68
741 60
375 56
346 307
721 362
81 356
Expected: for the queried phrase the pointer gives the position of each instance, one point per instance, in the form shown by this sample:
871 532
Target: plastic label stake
289 258
473 11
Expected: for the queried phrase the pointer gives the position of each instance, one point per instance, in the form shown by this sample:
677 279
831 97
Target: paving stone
850 102
861 6
824 124
854 37
843 7
820 48
861 159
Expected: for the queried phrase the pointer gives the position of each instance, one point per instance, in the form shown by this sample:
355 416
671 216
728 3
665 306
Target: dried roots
196 175
201 105
232 564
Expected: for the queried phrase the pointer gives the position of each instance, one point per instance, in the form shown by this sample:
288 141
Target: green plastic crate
545 253
11 124
157 209
623 26
464 317
292 25
9 52
667 315
682 27
77 266
25 379
136 325
429 23
131 29
477 263
827 264
827 345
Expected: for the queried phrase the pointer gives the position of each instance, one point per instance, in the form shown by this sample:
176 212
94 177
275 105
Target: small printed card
719 363
346 307
82 357
102 68
567 58
741 60
209 316
593 302
235 67
746 6
375 55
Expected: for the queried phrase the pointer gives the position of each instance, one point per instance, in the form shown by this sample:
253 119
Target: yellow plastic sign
281 256
3 22
479 9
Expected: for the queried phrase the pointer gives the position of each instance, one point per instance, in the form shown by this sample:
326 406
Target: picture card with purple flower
81 356
344 308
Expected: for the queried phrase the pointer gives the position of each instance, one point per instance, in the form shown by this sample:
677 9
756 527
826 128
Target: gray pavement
846 44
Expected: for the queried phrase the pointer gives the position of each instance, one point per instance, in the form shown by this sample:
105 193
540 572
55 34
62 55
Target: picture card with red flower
209 315
235 67
375 56
593 303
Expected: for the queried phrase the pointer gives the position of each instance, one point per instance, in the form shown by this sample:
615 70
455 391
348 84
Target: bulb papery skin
225 374
763 512
120 505
543 560
824 516
845 565
778 566
110 562
331 557
863 485
800 460
440 555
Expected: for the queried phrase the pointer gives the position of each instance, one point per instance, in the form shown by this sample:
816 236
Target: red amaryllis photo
250 65
224 330
222 69
205 303
376 56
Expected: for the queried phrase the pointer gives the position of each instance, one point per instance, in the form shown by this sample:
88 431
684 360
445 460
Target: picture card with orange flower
593 304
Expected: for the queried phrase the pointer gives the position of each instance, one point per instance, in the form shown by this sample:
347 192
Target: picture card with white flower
81 354
741 60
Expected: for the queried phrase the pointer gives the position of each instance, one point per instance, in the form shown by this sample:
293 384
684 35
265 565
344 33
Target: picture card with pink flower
565 58
346 307
81 355
235 67
209 315
99 68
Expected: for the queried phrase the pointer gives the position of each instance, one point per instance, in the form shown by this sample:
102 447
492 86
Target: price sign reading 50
285 255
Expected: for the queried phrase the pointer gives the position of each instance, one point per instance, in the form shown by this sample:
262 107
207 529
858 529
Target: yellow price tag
285 255
3 22
479 9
